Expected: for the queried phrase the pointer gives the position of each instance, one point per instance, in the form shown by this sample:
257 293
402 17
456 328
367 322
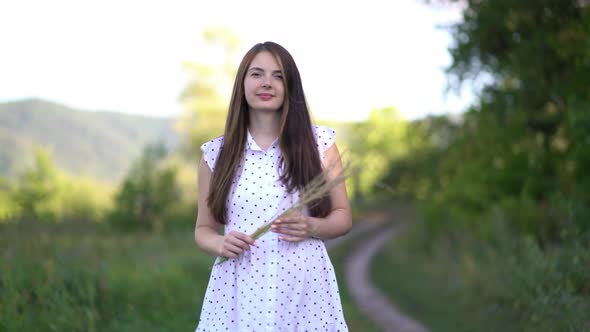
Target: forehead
265 60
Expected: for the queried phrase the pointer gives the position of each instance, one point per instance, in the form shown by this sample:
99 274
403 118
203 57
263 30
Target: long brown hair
300 160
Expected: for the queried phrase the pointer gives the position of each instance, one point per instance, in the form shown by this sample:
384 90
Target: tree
206 96
9 208
148 193
373 145
522 144
39 189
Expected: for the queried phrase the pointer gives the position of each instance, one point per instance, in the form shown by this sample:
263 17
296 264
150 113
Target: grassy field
457 285
355 319
86 280
79 278
425 290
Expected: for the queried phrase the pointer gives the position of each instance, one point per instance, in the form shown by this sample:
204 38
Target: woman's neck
264 127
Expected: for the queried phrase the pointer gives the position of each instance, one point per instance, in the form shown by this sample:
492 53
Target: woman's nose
266 81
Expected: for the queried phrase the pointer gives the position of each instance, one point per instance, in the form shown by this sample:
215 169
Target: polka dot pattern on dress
278 285
325 137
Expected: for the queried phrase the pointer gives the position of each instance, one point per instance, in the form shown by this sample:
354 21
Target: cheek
248 90
281 92
247 86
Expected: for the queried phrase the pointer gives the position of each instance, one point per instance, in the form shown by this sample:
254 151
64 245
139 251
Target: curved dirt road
369 299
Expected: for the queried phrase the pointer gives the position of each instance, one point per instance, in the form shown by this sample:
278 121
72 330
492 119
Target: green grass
455 284
428 292
355 319
61 280
78 277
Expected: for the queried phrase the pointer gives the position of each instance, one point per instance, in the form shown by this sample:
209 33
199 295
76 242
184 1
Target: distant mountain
99 144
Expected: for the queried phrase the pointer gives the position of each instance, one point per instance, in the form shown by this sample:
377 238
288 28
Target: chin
268 109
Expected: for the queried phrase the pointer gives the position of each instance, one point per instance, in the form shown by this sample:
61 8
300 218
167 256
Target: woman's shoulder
213 143
211 150
321 128
324 135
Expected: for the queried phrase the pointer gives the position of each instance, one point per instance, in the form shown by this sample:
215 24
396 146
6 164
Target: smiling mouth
264 96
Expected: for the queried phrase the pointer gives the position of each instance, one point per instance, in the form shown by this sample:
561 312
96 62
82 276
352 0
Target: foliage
523 144
428 140
372 145
66 278
206 96
85 199
355 318
546 97
44 193
39 189
504 194
148 194
186 178
9 208
457 282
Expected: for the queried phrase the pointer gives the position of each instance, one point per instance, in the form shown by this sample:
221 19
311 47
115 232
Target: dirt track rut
370 237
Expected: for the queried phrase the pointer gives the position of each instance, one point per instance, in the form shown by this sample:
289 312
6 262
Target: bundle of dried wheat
317 188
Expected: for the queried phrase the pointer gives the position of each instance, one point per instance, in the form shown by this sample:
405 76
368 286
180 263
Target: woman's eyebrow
262 70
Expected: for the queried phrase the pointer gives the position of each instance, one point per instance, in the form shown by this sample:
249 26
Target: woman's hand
296 227
234 243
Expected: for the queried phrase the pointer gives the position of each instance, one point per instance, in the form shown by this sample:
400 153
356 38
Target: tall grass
355 318
70 278
82 277
455 282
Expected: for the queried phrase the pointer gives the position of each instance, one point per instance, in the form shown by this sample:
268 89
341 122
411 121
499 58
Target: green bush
44 193
149 195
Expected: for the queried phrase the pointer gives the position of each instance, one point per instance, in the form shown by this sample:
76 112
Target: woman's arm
337 223
207 229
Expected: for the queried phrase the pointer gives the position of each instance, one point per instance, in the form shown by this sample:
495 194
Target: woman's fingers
294 219
239 243
231 251
234 244
293 228
293 231
241 239
234 248
244 237
295 225
292 238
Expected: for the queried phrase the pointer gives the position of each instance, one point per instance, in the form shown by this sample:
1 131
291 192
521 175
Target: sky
127 56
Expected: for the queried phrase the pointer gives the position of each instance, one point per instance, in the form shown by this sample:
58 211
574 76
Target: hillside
99 144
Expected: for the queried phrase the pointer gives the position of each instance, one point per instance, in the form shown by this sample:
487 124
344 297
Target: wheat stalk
315 189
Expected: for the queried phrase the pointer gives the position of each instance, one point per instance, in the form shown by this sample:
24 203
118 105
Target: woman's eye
255 74
279 76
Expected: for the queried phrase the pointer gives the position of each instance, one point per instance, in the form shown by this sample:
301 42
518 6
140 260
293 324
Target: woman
284 281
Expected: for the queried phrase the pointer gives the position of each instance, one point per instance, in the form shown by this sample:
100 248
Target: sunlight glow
127 55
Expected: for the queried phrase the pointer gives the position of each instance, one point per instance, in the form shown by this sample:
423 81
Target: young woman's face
263 84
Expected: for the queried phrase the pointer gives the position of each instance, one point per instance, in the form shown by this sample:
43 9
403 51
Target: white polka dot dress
278 285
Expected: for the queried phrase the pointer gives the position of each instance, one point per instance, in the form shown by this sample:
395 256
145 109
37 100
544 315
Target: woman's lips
264 96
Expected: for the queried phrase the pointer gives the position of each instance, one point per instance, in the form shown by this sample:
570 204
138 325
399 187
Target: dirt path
369 299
